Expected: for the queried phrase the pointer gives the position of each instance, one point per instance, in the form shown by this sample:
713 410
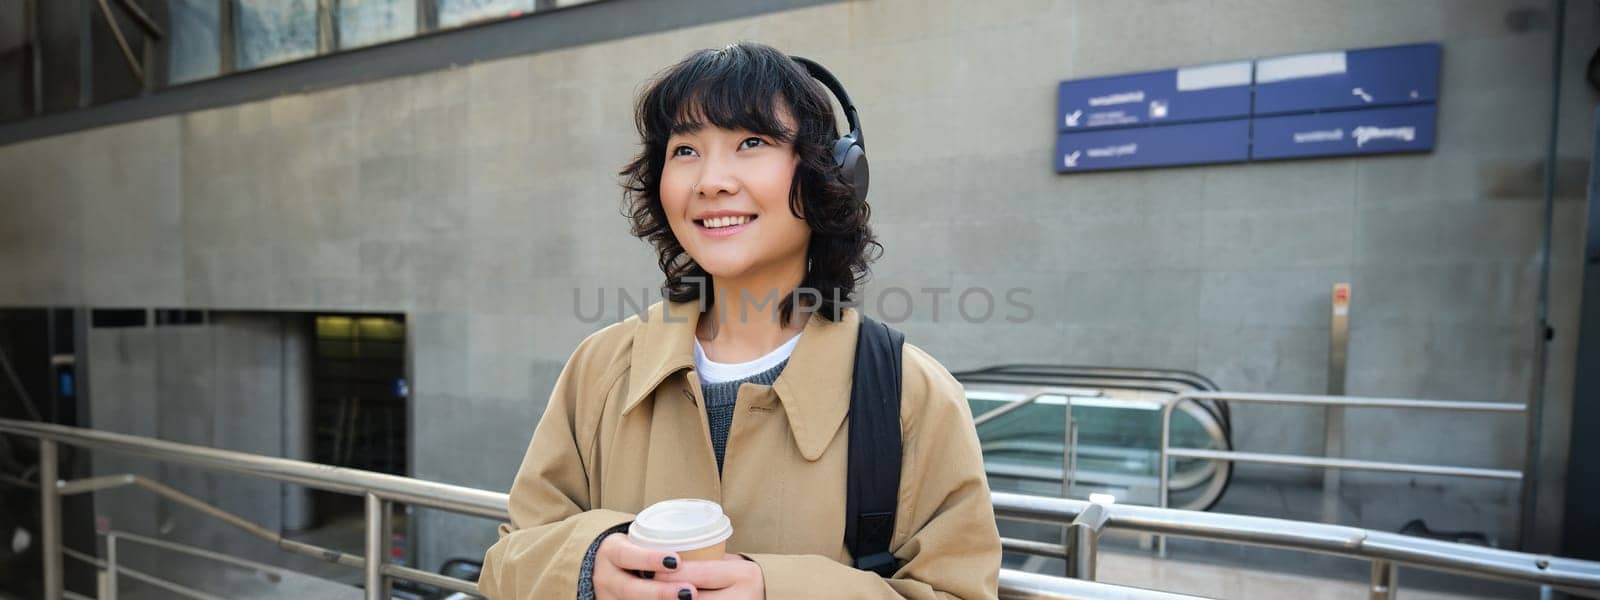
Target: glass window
453 13
367 22
194 50
275 31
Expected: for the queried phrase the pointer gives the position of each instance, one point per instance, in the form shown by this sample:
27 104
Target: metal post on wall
1581 516
30 10
1543 332
427 17
327 26
85 54
1333 428
227 33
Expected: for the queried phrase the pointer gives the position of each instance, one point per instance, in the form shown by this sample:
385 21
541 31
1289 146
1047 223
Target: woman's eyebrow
686 128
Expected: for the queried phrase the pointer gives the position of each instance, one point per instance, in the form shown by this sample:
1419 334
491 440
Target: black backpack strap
874 484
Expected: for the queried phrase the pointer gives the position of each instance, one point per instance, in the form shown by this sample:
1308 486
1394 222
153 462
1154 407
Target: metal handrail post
1083 541
50 518
1163 473
1068 464
111 566
1385 580
377 531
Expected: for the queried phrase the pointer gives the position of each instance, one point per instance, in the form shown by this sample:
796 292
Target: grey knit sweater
720 399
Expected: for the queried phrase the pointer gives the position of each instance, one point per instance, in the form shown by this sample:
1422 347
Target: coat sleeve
950 545
553 523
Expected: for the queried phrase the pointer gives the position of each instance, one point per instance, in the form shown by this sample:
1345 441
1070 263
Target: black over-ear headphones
850 151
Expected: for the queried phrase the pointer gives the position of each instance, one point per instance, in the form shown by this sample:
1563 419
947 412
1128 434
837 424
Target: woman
736 388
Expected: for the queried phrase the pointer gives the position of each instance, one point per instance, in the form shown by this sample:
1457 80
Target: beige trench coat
625 427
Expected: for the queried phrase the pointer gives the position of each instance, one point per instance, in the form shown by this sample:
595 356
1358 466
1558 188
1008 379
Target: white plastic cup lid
680 525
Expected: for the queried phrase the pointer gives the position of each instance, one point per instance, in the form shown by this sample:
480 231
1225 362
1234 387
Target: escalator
1117 417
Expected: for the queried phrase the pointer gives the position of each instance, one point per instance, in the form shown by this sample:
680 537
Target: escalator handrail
1217 411
1195 379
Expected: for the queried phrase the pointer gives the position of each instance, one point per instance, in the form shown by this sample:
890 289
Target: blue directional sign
1349 102
1203 92
1167 145
1372 131
1347 79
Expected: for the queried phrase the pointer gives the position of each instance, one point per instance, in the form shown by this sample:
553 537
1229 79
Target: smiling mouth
724 223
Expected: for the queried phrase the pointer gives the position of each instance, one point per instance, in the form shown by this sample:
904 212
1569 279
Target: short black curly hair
742 87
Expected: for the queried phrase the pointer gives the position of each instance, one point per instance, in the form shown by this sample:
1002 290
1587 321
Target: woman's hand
732 578
616 563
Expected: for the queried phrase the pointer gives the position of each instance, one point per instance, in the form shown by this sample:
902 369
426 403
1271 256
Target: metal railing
113 571
1385 550
1167 452
1031 395
1324 462
1114 383
379 490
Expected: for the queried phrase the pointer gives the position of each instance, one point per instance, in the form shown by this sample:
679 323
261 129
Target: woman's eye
683 151
751 143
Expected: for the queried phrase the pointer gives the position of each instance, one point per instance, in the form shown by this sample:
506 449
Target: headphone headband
822 74
849 152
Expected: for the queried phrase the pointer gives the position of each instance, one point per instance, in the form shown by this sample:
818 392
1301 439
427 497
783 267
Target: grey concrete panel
442 536
1278 298
125 360
1134 298
1256 358
441 270
1303 238
248 407
129 257
1463 233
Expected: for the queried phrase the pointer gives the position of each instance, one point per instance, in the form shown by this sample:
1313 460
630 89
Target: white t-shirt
711 371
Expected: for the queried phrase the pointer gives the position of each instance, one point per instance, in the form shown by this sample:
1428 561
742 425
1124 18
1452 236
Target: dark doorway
39 382
359 396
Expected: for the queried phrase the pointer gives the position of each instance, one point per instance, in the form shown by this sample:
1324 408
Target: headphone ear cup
841 150
852 161
856 172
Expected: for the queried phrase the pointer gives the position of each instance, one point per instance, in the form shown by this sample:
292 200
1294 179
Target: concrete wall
476 199
232 383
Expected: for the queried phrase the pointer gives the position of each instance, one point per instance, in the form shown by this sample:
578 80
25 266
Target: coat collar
814 387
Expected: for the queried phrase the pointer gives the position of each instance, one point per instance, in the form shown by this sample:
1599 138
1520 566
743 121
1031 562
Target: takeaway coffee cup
695 529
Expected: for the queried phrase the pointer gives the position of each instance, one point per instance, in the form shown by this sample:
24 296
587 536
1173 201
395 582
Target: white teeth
718 222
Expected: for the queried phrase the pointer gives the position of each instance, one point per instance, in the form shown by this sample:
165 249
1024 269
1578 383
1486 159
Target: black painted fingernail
685 594
671 562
